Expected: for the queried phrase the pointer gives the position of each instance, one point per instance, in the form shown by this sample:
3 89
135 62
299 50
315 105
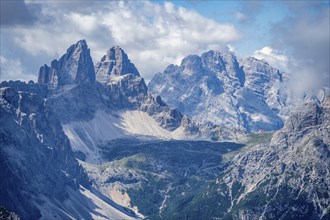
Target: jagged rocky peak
74 67
312 113
218 88
224 64
213 61
259 71
285 176
114 63
192 65
125 85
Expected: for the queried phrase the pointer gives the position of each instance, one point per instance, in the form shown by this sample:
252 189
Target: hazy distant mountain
91 142
219 89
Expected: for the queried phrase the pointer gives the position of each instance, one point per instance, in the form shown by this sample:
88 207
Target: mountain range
220 89
95 142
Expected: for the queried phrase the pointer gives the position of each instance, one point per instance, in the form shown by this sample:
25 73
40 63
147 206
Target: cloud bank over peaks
274 57
306 35
153 34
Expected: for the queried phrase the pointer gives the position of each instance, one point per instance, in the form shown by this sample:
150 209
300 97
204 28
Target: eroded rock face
74 95
285 179
127 90
35 155
39 169
10 95
48 75
74 67
165 115
5 214
114 63
219 89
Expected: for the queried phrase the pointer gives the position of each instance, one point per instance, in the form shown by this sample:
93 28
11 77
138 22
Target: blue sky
155 34
256 26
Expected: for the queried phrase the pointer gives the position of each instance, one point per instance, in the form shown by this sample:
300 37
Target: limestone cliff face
220 89
70 114
74 67
126 89
74 92
287 178
35 155
114 63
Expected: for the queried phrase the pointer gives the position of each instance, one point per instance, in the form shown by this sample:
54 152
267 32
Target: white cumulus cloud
153 34
11 69
306 33
274 57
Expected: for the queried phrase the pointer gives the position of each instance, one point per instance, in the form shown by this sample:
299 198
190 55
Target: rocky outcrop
125 87
217 89
36 158
119 86
114 63
288 178
127 90
74 67
165 115
40 177
30 87
7 215
77 102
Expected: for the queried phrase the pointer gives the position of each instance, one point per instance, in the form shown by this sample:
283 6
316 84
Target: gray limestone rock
127 91
36 158
10 95
286 179
217 89
114 63
168 117
74 67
